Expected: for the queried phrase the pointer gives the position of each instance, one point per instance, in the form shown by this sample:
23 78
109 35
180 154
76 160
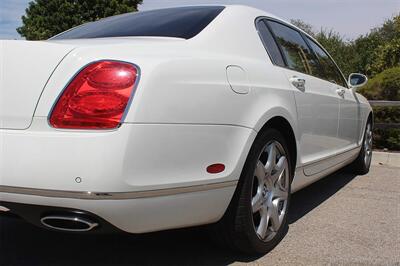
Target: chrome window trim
261 19
303 35
307 38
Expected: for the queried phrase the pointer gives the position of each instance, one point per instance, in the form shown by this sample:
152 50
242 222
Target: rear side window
181 22
295 50
270 44
331 72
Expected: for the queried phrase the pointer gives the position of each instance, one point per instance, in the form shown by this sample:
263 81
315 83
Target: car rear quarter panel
185 83
188 88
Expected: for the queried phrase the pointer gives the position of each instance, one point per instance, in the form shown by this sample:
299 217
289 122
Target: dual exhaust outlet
72 223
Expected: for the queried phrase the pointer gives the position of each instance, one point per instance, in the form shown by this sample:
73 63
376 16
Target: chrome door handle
341 92
299 83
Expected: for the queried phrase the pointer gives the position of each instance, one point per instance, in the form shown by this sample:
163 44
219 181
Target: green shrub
384 86
387 139
386 114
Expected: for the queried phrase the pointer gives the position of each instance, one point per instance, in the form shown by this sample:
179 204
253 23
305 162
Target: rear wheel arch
362 163
370 118
284 127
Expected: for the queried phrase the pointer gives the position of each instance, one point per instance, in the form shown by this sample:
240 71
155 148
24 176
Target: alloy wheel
270 191
368 145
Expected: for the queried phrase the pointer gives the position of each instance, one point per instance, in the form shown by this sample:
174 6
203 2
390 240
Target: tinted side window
270 44
181 22
297 54
332 73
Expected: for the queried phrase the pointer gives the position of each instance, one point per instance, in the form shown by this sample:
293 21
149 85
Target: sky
350 18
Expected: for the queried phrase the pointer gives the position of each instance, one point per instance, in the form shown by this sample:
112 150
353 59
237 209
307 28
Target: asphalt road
340 220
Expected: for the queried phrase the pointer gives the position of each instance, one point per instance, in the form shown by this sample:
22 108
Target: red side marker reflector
215 168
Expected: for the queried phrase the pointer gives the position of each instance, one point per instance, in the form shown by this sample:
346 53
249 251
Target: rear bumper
34 214
138 215
140 178
136 157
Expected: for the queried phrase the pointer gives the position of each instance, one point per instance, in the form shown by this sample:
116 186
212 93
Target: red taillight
96 98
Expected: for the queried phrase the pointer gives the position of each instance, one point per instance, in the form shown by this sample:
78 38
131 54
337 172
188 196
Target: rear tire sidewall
359 165
247 179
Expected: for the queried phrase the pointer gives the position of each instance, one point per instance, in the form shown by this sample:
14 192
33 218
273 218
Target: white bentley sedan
174 118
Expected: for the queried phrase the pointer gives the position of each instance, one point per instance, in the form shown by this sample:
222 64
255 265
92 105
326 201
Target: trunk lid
25 68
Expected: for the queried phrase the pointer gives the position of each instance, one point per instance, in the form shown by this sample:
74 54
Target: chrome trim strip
87 195
330 156
342 162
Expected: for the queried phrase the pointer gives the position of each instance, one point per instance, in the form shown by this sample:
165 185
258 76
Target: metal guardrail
386 125
386 104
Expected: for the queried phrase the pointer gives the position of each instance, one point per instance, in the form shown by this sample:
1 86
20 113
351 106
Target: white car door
349 116
316 99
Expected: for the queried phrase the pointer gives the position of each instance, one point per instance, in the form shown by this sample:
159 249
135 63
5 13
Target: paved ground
343 219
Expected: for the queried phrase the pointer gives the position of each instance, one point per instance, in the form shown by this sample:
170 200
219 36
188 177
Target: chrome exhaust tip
68 223
4 209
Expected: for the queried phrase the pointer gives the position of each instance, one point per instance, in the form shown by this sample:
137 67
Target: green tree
44 19
380 49
369 54
385 56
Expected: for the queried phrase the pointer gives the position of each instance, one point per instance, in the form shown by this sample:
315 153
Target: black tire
361 165
237 229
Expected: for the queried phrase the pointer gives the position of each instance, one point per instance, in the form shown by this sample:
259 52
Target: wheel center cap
264 191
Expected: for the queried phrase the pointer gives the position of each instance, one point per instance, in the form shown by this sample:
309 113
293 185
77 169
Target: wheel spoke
279 169
263 227
274 215
270 165
260 173
256 202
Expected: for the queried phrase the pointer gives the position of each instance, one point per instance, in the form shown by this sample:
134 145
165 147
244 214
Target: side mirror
357 80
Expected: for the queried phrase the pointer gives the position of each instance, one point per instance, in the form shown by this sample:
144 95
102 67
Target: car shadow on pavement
307 199
24 244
